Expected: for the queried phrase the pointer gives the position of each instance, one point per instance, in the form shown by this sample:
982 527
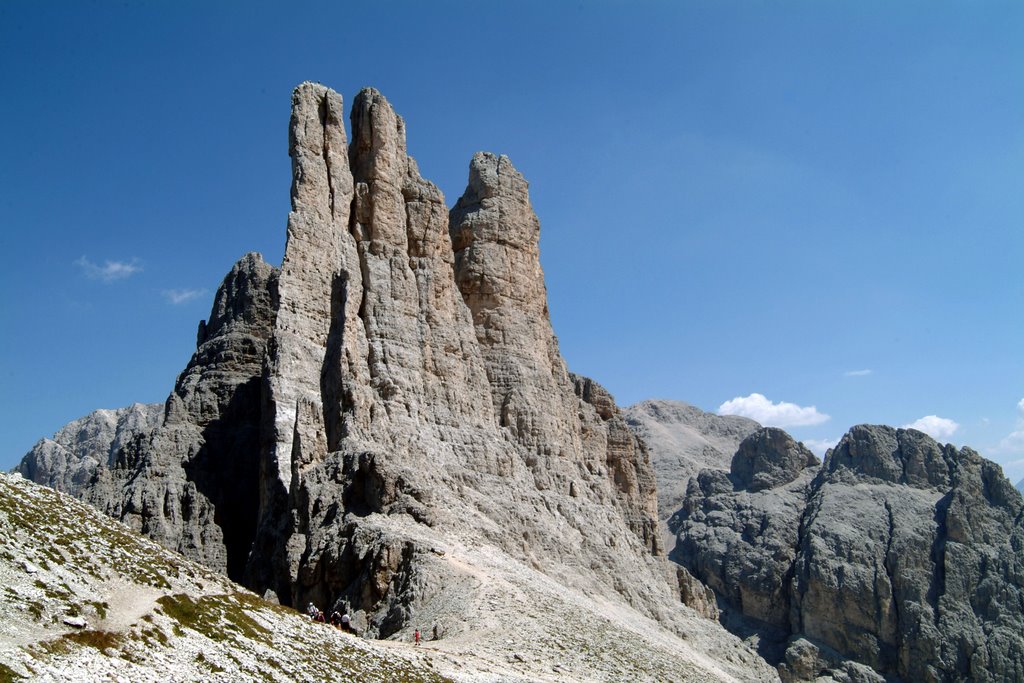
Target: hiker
314 613
336 619
417 636
346 623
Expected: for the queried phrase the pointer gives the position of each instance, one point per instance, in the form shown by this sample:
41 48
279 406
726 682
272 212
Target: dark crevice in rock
798 583
789 580
226 471
335 397
324 113
937 586
888 653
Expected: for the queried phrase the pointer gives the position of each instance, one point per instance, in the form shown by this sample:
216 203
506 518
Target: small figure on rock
346 623
315 614
336 619
417 636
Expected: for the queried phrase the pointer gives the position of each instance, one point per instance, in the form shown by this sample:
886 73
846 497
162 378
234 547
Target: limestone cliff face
394 387
432 391
496 239
896 553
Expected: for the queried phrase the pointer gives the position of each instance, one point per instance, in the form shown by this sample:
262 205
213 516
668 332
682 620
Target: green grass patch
100 607
206 663
218 617
97 640
8 675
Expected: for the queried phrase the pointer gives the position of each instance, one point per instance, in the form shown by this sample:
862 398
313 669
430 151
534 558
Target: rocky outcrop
395 387
683 440
769 458
440 396
188 477
897 553
739 537
69 460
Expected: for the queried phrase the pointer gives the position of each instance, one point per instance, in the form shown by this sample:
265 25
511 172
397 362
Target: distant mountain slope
682 440
69 460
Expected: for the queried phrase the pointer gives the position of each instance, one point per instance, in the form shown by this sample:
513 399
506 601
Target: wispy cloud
858 373
110 270
819 446
182 296
781 414
934 426
1014 441
1011 443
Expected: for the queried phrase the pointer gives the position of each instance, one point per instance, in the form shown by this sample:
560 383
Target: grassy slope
150 614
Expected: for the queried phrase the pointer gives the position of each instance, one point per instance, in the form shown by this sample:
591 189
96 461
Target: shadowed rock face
897 553
396 380
184 473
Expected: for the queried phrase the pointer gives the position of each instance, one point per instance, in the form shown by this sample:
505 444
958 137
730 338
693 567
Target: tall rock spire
421 355
496 238
317 253
403 390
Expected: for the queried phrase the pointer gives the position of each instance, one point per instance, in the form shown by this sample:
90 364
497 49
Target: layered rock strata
395 386
896 553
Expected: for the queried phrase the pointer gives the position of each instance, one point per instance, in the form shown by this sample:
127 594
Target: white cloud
858 373
109 271
934 426
819 446
781 414
181 296
1014 441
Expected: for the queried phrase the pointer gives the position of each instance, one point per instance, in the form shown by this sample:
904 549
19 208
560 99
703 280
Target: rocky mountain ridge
683 440
69 460
895 553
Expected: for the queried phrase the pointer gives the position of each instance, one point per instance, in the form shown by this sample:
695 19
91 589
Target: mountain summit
386 418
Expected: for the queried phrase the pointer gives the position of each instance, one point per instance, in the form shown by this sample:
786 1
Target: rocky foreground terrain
87 599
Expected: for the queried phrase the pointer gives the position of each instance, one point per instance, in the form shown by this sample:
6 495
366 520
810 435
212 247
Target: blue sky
817 203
